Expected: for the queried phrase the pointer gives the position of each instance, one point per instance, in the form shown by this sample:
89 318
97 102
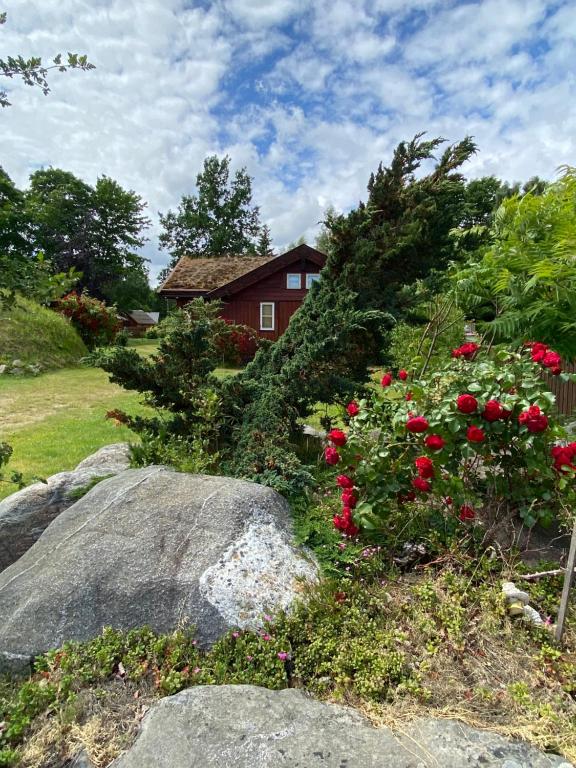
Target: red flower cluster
467 351
425 467
402 375
475 434
337 437
421 485
345 523
343 481
533 419
331 456
466 513
541 353
435 442
386 380
564 456
353 409
417 424
466 403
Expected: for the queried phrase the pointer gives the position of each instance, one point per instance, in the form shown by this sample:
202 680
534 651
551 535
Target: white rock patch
261 572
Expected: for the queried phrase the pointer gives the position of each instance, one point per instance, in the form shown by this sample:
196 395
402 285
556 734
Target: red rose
466 403
564 456
492 410
435 442
345 523
425 467
417 424
331 456
353 409
551 359
349 499
475 434
386 380
556 371
421 485
467 351
466 513
337 437
539 351
403 375
343 481
448 501
533 419
408 396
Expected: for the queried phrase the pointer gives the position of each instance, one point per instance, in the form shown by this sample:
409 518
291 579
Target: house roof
226 275
143 318
208 274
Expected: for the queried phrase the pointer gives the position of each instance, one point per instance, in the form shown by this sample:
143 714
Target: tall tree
33 72
219 220
94 229
264 245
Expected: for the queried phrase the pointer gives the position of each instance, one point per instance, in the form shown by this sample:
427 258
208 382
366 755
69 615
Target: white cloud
309 96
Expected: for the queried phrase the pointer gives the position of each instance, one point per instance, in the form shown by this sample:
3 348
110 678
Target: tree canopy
94 229
220 220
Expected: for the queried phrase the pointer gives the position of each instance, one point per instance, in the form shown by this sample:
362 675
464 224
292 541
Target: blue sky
309 95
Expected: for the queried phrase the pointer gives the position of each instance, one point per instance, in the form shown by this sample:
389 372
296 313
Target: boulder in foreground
157 548
244 726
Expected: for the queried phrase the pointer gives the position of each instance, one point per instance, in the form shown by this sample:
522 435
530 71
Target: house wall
244 306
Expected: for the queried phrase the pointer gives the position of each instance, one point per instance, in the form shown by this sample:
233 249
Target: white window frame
293 287
268 304
309 280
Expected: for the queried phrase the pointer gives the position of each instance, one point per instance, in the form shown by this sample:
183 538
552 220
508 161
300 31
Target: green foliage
96 229
32 71
523 284
506 469
15 477
219 221
36 335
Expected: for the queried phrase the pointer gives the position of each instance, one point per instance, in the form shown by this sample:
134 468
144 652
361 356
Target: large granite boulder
27 513
153 547
241 726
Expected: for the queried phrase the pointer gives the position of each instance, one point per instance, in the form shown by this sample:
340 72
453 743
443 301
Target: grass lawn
55 420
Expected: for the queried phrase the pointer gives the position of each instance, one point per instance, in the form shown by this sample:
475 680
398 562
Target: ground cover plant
437 641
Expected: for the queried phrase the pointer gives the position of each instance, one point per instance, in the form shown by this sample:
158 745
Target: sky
308 95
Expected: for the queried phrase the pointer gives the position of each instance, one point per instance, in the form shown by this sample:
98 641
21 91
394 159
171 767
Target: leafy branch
33 72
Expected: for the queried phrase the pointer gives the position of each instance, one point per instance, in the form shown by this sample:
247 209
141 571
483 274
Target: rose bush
477 441
96 323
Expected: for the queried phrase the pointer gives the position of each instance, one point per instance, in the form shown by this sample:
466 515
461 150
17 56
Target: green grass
55 420
34 334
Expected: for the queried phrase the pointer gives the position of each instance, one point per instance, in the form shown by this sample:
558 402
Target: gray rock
80 760
153 547
243 726
25 514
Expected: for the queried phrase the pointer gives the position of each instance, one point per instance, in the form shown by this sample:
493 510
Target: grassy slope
34 334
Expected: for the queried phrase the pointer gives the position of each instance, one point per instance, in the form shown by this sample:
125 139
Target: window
312 277
293 281
267 316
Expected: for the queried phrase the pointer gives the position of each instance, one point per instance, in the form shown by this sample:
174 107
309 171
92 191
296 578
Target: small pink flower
196 670
249 658
266 637
235 634
267 618
342 545
283 655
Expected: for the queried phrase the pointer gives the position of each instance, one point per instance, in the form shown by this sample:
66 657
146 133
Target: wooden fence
565 391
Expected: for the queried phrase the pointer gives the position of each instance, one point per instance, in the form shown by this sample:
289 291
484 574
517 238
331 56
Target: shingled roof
209 274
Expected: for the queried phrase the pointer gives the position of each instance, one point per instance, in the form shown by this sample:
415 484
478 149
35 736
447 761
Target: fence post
568 578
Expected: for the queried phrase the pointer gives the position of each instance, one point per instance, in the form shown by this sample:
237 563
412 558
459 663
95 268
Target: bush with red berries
237 344
477 441
96 323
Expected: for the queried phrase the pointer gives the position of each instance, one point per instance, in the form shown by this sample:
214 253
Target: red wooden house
262 293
